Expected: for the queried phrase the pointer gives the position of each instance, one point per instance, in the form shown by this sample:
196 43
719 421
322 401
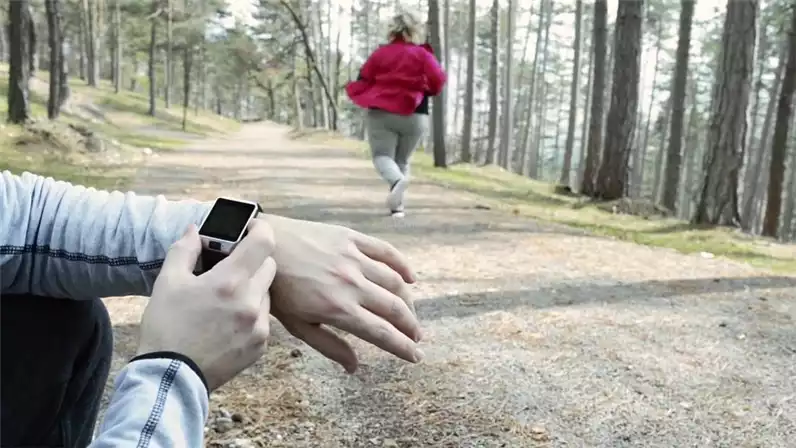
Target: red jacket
396 77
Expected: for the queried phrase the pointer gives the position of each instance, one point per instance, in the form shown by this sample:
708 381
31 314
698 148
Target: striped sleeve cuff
157 402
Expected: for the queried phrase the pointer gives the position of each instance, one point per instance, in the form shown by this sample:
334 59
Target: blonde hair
406 26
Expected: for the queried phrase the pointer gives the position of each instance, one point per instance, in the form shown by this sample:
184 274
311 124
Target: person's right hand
219 319
330 275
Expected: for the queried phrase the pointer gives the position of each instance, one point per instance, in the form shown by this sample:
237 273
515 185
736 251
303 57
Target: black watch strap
210 258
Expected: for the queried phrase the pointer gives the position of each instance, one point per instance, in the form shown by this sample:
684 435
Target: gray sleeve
157 403
68 241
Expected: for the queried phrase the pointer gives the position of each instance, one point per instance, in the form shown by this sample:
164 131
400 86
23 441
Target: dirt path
535 335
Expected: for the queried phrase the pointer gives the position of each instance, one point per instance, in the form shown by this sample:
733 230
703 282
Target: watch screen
227 220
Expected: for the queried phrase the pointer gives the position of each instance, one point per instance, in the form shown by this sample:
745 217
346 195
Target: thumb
184 253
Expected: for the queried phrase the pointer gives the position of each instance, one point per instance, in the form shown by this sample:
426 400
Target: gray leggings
393 139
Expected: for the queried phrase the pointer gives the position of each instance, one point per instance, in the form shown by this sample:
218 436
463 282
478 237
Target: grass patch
122 116
22 150
535 199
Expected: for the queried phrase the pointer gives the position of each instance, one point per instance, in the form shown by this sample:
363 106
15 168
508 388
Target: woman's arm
434 73
64 240
157 403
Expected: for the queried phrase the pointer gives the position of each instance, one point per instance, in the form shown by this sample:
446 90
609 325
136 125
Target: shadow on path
565 294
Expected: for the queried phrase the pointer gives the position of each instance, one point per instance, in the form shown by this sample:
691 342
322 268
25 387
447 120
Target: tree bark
584 127
167 71
187 64
467 132
438 102
640 154
752 180
612 178
493 81
153 35
599 32
718 202
779 144
573 99
527 161
19 24
117 47
52 8
506 139
673 153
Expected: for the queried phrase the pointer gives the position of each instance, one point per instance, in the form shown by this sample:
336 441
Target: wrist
190 363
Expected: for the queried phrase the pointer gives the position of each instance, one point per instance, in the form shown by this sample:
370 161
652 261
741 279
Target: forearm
156 403
61 240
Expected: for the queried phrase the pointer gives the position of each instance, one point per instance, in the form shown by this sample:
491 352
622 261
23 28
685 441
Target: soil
535 334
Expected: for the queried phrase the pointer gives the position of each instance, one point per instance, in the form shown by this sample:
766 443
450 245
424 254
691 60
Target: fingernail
418 336
418 355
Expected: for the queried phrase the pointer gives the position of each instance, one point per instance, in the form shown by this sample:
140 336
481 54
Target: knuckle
351 253
259 336
383 334
227 286
394 282
247 317
335 308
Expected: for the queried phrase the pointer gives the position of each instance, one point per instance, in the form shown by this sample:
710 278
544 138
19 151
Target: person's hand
219 319
335 276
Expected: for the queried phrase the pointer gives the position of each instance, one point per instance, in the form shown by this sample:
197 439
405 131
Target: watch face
227 220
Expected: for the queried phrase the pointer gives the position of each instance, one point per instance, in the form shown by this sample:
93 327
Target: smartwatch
223 228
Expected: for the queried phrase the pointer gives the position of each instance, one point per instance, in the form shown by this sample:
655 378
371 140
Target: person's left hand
333 275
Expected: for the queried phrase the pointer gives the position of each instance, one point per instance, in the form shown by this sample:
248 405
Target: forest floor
536 334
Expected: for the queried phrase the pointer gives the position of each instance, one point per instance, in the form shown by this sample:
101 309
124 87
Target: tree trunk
690 150
573 99
585 123
52 8
311 60
779 143
81 46
153 35
752 179
659 156
167 70
467 132
493 81
718 203
673 157
508 120
32 57
786 232
534 165
187 65
599 32
298 112
521 113
19 24
117 47
438 107
92 69
527 160
612 177
640 153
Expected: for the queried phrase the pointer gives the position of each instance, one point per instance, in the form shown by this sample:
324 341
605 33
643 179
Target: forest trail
535 334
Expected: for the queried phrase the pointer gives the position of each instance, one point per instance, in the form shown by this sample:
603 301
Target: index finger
380 250
252 251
